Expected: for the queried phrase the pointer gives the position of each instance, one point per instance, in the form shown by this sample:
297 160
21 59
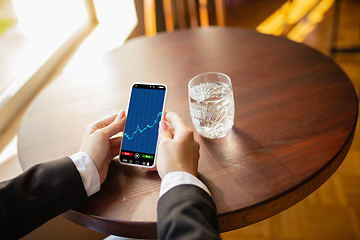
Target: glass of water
211 103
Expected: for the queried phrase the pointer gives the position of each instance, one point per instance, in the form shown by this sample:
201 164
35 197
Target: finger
115 152
150 169
115 142
172 130
103 122
165 132
163 126
109 119
177 121
116 126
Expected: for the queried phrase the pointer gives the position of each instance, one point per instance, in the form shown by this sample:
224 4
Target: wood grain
295 118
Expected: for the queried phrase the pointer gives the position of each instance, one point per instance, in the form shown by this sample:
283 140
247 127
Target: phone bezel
162 117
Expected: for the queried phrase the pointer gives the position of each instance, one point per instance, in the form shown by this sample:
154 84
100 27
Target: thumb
117 125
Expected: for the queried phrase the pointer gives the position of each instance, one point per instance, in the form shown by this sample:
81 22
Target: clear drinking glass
211 103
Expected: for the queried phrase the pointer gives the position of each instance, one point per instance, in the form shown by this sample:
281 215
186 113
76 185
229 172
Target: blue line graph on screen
139 130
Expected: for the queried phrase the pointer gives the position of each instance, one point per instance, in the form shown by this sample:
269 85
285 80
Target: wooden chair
150 15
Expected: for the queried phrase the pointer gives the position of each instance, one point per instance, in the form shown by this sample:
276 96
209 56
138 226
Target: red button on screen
126 153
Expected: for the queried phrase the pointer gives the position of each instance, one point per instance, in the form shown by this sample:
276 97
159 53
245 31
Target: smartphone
140 137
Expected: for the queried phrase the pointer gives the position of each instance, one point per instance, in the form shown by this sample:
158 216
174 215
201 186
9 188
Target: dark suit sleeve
187 212
37 195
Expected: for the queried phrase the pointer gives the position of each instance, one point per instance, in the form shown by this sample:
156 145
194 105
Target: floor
331 212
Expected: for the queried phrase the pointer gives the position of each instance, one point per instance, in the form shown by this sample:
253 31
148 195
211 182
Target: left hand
98 144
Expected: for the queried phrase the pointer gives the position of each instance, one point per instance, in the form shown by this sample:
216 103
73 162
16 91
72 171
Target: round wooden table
295 119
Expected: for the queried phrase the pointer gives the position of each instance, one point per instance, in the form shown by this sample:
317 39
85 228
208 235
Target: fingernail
163 126
121 115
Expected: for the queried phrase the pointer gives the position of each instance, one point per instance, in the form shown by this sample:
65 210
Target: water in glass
212 109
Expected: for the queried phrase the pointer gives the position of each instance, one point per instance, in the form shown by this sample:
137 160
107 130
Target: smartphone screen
145 110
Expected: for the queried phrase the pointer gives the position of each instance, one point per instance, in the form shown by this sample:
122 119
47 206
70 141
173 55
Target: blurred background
39 39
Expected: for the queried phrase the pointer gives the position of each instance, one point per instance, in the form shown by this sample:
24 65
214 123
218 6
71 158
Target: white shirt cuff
88 172
173 179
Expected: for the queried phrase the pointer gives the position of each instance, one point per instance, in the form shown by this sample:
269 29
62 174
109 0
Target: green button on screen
147 156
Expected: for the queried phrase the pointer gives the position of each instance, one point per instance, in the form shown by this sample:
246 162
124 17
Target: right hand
177 149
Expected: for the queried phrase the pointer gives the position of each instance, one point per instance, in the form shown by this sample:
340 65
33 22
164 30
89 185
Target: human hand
177 149
98 145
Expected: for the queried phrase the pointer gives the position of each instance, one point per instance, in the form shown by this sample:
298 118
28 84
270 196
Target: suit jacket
187 212
49 189
37 195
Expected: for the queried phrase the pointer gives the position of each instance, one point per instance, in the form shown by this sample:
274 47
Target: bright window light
117 19
47 24
43 18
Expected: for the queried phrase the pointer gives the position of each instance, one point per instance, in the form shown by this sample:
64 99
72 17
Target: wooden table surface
295 117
